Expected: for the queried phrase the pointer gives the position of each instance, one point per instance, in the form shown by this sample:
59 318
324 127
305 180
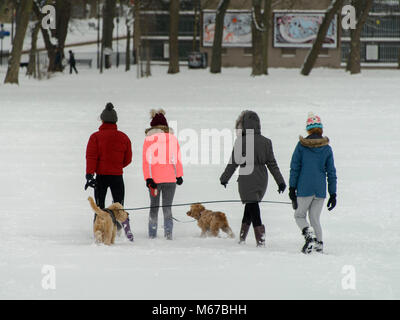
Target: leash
190 203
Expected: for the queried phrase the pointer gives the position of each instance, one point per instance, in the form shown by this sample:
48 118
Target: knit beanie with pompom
158 118
109 115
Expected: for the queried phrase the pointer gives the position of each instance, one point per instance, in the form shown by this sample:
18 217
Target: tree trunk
216 59
267 18
128 49
173 37
63 14
50 47
25 8
108 28
257 30
355 44
31 70
137 36
316 48
93 9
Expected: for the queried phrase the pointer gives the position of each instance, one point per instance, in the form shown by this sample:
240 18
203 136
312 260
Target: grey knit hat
109 114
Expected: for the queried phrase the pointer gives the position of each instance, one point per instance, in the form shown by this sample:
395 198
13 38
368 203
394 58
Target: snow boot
319 247
127 229
259 232
244 230
309 236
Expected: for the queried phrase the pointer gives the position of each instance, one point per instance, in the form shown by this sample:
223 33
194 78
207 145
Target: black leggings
252 214
115 183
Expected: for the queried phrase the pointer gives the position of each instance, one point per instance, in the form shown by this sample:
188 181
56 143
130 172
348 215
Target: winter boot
244 230
127 229
319 247
259 232
309 236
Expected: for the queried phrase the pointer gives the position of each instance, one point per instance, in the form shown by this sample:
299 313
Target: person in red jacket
108 152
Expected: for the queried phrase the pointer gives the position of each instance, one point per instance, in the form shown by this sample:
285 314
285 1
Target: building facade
293 28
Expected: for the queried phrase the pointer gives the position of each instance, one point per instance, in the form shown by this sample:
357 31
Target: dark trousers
252 214
117 187
72 67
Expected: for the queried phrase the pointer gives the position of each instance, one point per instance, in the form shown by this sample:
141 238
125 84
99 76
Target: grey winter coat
252 152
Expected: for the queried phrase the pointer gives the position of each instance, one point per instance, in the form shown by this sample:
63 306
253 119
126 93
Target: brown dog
210 222
104 229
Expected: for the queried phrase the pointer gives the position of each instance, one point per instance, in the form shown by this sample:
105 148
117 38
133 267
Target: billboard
237 29
300 29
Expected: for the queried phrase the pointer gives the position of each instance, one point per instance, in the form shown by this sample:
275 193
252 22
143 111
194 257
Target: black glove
282 187
179 181
90 181
293 197
331 202
151 184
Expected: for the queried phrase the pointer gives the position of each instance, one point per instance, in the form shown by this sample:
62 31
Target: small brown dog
104 228
210 222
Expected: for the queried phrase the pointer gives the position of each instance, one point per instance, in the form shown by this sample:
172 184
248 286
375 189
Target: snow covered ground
45 218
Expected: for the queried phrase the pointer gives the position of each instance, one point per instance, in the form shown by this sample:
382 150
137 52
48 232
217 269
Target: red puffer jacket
108 151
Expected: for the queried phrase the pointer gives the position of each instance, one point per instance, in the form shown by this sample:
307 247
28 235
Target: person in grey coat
254 154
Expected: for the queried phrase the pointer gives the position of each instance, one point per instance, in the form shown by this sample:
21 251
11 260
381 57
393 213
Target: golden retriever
210 222
104 229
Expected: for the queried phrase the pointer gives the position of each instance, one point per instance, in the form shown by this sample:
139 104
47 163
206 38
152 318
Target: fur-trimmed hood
314 142
248 120
158 129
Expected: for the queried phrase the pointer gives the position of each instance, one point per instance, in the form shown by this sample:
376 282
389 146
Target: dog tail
96 209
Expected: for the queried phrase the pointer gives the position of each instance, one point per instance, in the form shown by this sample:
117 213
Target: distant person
108 152
162 170
72 62
58 61
312 164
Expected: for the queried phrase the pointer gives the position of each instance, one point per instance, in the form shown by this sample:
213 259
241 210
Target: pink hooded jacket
161 156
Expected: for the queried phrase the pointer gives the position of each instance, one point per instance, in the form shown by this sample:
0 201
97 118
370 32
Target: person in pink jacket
162 170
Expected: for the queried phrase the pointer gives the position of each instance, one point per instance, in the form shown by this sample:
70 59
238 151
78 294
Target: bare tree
47 37
267 23
354 60
257 30
216 60
137 34
63 15
31 70
24 8
323 29
173 37
108 28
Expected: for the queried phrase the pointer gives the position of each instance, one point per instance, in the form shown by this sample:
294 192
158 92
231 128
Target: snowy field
45 218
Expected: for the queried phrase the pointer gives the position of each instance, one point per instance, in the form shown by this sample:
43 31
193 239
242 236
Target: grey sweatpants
313 206
167 192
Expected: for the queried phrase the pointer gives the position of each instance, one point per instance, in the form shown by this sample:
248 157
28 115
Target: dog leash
190 203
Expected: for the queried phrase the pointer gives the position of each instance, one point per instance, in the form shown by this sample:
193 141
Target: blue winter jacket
312 163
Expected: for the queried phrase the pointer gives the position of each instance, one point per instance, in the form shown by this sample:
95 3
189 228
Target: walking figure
72 62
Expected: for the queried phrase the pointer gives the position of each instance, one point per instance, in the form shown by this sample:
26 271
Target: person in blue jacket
311 166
